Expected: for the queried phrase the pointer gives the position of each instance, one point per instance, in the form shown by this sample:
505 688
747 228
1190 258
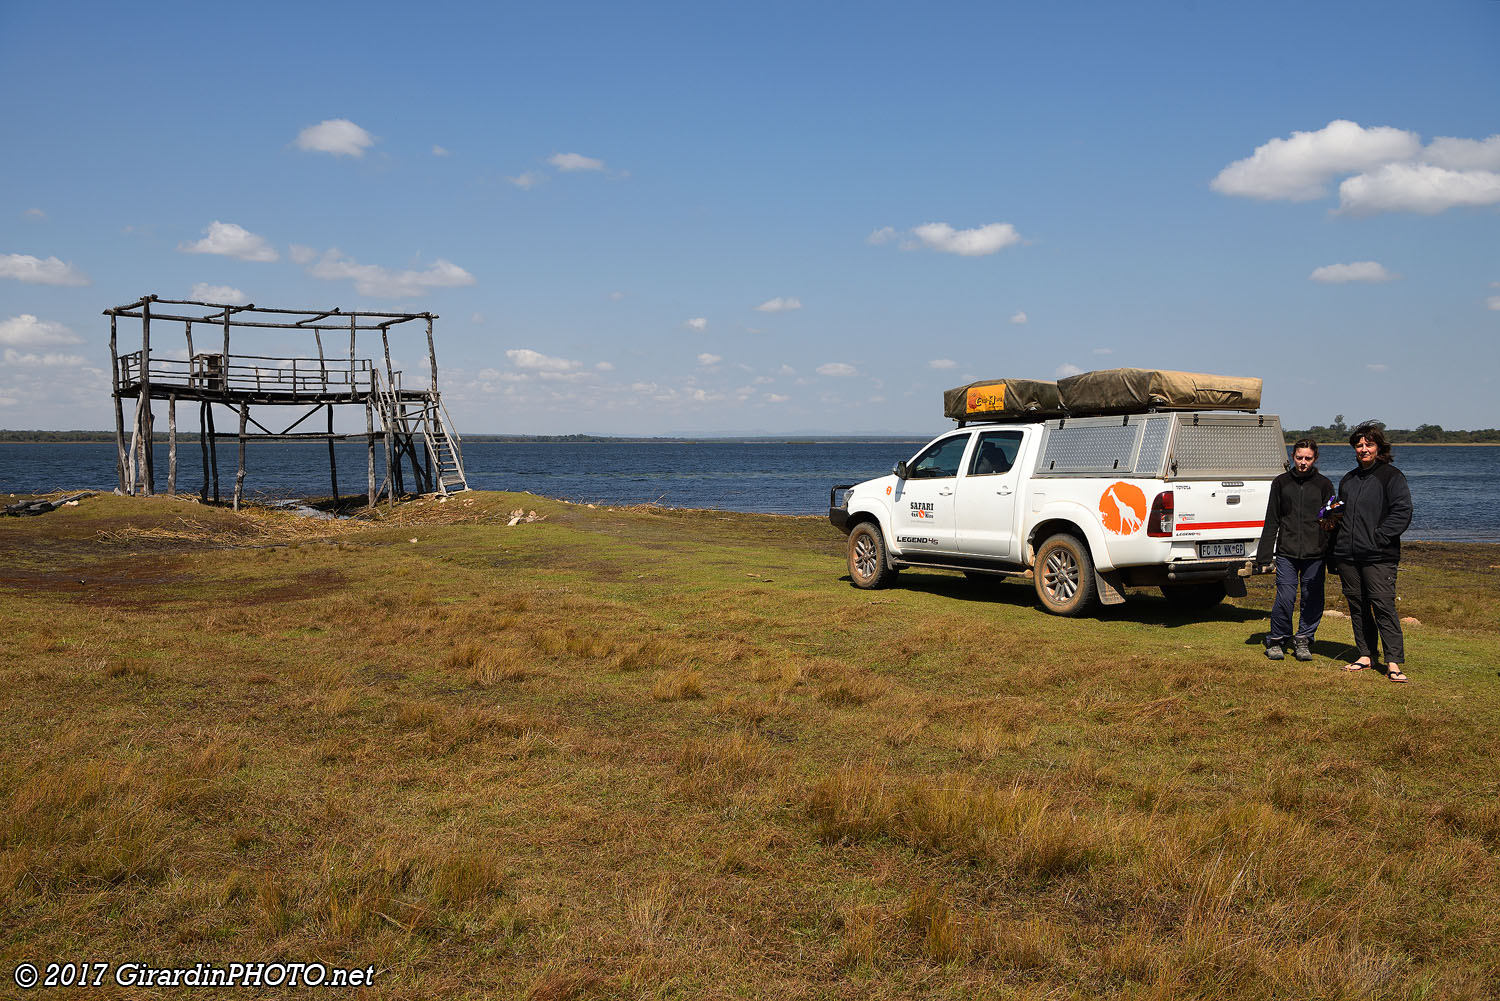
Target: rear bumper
1190 572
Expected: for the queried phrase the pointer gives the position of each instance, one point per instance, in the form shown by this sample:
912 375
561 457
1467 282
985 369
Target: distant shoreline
600 440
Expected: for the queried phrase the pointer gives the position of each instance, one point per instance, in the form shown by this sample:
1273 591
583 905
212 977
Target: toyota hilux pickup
1085 506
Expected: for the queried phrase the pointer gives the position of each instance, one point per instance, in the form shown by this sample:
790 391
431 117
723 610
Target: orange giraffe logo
1123 508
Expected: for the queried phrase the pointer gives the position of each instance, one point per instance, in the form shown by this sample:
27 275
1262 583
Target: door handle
1004 491
945 493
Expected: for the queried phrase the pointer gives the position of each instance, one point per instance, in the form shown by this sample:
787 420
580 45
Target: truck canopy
1109 391
1132 390
1001 399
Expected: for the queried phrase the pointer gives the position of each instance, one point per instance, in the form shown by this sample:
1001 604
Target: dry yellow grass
669 754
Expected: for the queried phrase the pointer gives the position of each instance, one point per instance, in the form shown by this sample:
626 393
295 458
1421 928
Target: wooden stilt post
239 475
333 469
171 444
203 446
390 477
431 358
213 451
114 369
148 442
370 444
224 359
133 462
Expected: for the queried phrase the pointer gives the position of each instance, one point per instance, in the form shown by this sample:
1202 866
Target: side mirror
900 469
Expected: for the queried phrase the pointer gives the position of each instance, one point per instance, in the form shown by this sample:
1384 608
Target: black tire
1194 597
867 559
1064 575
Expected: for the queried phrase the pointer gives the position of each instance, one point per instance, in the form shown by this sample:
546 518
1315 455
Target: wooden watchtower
412 424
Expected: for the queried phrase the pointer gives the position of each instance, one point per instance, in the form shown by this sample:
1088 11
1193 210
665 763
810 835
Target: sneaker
1274 652
1301 651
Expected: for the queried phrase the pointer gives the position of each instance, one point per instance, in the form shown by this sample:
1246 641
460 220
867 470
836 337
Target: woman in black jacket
1295 542
1367 548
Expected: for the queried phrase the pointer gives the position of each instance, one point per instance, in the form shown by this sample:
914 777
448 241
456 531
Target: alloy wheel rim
1062 574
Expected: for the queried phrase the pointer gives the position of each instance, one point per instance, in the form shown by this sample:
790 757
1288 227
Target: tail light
1163 510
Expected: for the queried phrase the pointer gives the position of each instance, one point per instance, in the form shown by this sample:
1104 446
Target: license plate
1207 550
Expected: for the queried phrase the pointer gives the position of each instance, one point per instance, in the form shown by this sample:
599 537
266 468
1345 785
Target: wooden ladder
407 418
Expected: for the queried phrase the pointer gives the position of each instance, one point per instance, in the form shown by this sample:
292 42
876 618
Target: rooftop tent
998 399
1132 390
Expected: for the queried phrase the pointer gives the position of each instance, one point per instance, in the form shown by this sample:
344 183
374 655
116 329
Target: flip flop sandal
1356 666
1397 677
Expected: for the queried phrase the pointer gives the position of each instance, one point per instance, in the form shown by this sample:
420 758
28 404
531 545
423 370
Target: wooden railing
254 374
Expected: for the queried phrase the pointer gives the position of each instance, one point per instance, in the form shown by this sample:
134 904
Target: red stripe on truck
1193 526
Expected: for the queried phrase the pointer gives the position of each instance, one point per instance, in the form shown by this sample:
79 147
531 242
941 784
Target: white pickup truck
1086 506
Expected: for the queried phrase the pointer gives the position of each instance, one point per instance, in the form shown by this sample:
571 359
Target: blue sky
687 218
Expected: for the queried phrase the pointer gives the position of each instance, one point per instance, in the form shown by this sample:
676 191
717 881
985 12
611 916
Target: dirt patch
311 584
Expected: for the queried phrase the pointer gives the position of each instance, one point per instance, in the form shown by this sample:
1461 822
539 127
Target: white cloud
1376 366
14 357
440 151
1299 168
1019 317
1493 302
1355 271
775 398
476 318
528 180
837 368
708 359
384 283
616 296
883 235
301 255
1464 154
217 293
37 271
34 214
779 305
230 240
942 363
568 162
536 361
1066 369
604 366
1104 351
26 331
1418 187
338 136
977 242
697 323
786 370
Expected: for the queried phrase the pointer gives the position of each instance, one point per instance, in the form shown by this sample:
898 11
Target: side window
941 459
995 453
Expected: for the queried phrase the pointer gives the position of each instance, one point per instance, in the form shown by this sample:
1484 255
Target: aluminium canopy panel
1211 446
1132 390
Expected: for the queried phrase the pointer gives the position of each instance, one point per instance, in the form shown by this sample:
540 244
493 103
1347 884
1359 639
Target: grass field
653 753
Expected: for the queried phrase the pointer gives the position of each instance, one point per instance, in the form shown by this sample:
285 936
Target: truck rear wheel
867 564
1064 575
1193 597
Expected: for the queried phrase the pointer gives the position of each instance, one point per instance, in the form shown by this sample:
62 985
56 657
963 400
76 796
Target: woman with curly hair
1376 510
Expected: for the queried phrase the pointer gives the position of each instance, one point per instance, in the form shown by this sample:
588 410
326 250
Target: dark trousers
1293 576
1370 589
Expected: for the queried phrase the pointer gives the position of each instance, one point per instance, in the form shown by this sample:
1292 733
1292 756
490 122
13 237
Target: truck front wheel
1064 575
867 564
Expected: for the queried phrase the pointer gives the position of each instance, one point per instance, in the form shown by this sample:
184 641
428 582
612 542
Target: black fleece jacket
1377 509
1292 516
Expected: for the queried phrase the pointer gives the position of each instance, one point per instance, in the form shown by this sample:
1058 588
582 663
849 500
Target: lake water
1454 487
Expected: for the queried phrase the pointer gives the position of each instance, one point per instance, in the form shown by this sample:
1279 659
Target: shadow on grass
1329 649
1140 605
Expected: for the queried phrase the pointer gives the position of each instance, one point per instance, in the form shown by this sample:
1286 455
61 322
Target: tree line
1422 434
